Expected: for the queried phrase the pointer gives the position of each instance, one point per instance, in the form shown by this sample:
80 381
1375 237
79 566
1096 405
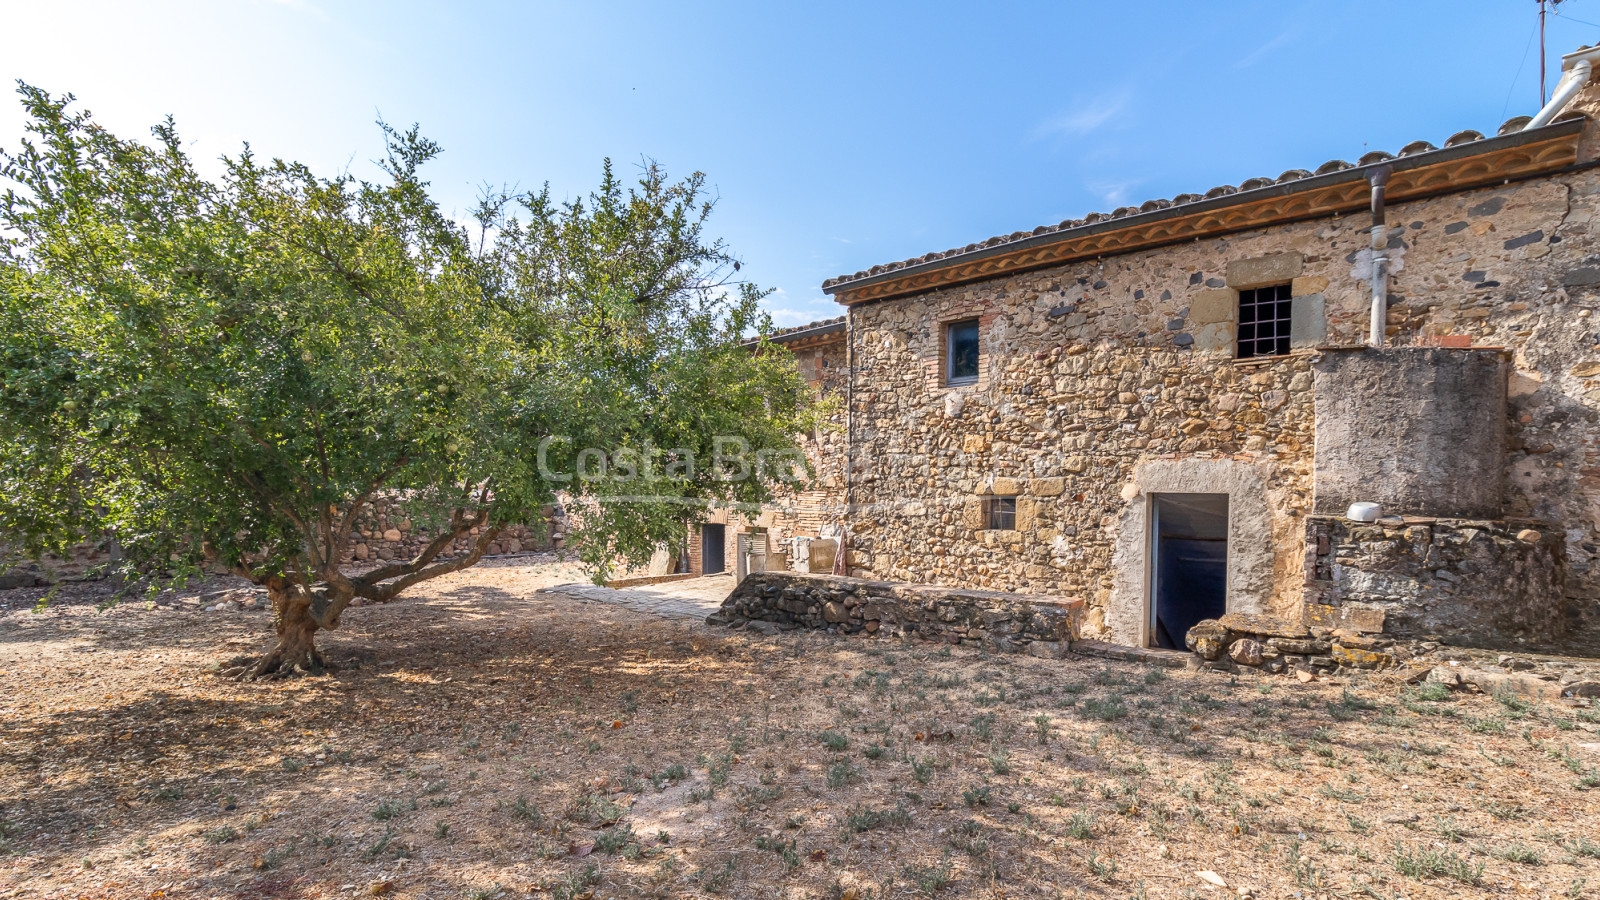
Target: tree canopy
227 371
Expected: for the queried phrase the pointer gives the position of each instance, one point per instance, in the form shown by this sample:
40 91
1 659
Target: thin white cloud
1086 116
1113 193
787 312
788 317
1262 51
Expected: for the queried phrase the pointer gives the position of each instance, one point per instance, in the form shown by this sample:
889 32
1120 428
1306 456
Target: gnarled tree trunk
298 613
300 610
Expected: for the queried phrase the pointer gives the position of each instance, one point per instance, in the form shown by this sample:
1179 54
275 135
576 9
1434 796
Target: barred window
1003 513
1264 321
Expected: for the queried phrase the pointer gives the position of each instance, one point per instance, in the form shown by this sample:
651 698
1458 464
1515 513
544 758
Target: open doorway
712 547
1189 564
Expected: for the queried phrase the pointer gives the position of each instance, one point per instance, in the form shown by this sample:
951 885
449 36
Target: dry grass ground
481 742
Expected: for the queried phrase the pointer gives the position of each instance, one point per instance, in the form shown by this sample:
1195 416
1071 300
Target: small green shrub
1423 862
1108 710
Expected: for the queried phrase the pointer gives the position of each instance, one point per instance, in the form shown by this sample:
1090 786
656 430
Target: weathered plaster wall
1418 430
1094 369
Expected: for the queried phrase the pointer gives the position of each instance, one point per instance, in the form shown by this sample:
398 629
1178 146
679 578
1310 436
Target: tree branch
459 525
386 592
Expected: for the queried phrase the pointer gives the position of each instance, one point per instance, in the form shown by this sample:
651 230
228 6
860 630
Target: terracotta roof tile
1332 165
1516 124
820 323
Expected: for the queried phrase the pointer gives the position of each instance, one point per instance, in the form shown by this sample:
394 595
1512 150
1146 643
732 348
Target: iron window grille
1003 513
961 352
1264 321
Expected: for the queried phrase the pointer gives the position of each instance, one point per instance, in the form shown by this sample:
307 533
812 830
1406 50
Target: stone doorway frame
1153 557
1250 538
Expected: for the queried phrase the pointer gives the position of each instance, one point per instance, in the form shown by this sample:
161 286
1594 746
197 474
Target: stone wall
1041 626
1067 424
1095 370
808 513
1468 582
386 532
1284 646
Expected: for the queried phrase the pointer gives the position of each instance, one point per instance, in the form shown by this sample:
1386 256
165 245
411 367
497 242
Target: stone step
1171 659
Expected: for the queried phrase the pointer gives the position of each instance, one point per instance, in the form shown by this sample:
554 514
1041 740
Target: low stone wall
1266 645
1016 623
385 532
1464 581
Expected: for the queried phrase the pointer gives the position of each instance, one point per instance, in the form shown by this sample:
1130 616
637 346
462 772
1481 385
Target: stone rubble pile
1238 642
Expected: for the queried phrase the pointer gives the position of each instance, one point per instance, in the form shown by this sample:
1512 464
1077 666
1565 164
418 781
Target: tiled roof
821 325
1333 165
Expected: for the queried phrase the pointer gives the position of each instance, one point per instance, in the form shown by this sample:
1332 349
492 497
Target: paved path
691 598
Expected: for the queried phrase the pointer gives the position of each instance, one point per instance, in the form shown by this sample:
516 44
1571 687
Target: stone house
1168 410
795 520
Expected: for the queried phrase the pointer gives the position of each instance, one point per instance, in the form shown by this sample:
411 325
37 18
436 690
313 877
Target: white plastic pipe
1379 179
1571 83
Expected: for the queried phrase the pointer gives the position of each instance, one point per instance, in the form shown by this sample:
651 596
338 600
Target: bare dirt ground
480 741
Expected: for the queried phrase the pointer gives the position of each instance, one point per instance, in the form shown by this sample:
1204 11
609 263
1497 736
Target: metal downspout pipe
1571 83
1379 179
841 563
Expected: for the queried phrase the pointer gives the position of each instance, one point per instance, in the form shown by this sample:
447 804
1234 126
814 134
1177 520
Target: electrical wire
1563 15
1513 86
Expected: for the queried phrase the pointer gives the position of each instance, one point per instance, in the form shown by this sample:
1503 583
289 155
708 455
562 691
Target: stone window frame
1287 296
1214 312
995 512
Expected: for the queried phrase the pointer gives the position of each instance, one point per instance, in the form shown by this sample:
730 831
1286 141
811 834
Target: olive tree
226 371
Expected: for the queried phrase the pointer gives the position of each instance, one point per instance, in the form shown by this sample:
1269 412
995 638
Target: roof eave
803 335
1446 155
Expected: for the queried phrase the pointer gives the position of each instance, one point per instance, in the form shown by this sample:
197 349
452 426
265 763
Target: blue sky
836 135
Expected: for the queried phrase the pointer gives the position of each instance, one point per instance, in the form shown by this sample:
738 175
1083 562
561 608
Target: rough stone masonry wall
1041 626
1471 583
1067 424
386 532
804 513
1095 369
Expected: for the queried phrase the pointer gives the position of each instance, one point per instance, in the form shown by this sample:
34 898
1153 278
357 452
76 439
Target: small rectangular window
1264 321
1003 513
961 352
